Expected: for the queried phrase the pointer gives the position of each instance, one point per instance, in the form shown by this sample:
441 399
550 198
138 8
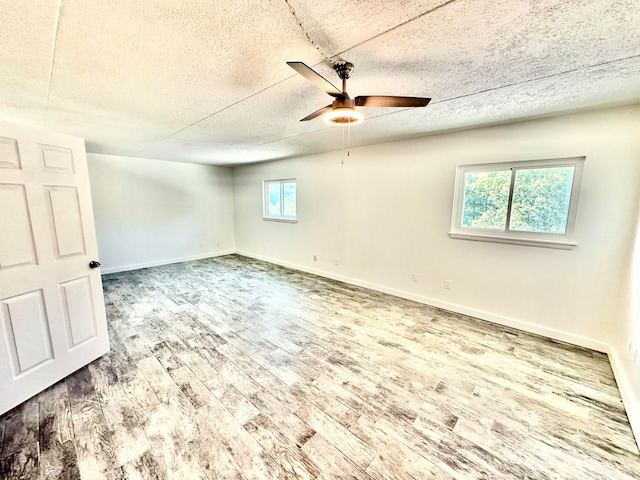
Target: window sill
284 220
530 242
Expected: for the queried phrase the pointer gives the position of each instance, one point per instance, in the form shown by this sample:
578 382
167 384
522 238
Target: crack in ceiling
335 55
53 50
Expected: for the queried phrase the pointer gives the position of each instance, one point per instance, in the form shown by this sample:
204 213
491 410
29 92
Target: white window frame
265 201
539 239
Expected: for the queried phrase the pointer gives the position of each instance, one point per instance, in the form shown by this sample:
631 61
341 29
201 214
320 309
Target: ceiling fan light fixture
343 116
342 110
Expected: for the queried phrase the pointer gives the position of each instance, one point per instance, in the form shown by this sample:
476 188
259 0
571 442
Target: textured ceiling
206 80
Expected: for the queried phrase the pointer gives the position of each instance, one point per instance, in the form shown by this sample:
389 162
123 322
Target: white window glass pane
273 193
486 195
541 199
289 199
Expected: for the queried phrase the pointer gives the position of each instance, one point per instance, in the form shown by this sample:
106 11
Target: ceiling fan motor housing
343 69
343 102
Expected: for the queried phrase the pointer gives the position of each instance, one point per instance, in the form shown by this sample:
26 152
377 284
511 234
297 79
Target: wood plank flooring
234 368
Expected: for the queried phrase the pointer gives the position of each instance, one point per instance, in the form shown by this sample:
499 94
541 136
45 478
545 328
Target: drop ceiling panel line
395 27
529 80
207 81
503 87
231 105
400 110
206 117
480 92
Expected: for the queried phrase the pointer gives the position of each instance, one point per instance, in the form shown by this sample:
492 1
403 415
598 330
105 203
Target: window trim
538 239
265 201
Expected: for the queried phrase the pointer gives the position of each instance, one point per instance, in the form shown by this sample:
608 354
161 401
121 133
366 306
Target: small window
279 202
529 203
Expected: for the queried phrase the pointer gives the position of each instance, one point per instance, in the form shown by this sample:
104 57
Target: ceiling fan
342 111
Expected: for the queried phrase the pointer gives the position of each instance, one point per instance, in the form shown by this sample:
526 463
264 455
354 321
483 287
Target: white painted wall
625 351
385 215
386 212
151 212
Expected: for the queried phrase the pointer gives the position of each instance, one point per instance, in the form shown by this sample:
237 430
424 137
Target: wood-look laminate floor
235 368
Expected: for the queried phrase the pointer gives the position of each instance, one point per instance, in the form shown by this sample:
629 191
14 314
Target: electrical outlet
447 284
315 258
416 277
335 261
202 245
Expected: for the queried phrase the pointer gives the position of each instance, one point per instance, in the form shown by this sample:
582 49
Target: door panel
52 313
57 159
9 156
78 311
27 331
15 249
64 211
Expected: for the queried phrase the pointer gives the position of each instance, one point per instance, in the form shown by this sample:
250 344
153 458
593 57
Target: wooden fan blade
317 113
391 101
315 78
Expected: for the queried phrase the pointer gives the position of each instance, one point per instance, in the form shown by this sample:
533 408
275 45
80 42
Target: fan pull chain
348 129
342 148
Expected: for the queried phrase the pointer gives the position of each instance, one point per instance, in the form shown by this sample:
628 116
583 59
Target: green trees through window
486 197
531 199
540 199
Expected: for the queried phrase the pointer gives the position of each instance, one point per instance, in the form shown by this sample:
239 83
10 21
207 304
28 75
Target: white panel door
52 317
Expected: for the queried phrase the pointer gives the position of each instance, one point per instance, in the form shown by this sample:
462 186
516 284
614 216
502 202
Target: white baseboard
157 263
631 403
472 312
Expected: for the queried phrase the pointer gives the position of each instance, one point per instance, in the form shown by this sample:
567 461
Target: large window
531 203
279 200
